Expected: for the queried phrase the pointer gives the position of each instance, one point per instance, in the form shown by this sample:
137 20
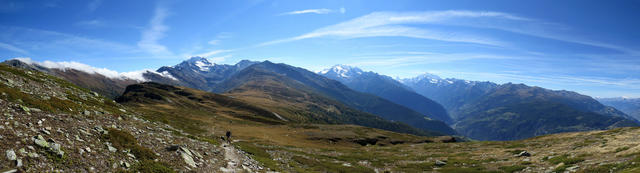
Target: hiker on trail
229 136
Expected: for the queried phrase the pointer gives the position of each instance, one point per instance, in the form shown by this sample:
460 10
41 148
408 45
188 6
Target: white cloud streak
132 75
154 32
393 24
399 59
91 23
314 11
213 52
13 48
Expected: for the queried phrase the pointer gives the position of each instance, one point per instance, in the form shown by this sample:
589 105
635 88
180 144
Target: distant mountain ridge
630 106
388 88
488 111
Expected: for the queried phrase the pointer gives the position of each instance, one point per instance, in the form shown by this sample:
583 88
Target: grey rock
188 159
523 154
19 163
111 149
573 168
33 155
124 164
441 163
45 131
41 143
56 148
86 112
10 171
11 155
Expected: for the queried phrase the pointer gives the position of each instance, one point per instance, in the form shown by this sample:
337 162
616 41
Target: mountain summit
342 71
200 73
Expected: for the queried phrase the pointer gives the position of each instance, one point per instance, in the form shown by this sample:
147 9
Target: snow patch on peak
343 71
202 63
203 66
428 76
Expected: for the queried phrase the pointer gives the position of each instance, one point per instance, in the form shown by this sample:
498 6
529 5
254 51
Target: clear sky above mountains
592 47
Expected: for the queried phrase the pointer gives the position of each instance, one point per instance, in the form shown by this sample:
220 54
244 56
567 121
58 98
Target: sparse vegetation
123 140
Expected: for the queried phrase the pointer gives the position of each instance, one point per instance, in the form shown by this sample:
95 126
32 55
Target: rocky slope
50 125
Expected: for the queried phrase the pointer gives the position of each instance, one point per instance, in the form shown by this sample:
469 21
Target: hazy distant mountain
488 111
281 81
388 88
630 106
517 111
450 93
199 73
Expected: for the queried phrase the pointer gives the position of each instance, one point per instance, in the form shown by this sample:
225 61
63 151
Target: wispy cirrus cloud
154 32
213 52
91 23
307 11
48 42
399 59
13 48
411 24
315 11
399 24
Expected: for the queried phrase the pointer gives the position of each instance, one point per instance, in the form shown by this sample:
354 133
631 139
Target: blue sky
592 47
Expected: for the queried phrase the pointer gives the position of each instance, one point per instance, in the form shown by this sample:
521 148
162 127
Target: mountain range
388 88
428 104
489 111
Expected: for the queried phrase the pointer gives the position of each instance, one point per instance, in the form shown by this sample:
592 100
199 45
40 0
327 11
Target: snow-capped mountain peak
202 64
431 78
343 71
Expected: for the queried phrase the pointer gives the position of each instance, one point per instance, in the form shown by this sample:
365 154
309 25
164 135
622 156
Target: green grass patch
622 149
416 167
565 159
152 167
321 166
513 168
517 145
